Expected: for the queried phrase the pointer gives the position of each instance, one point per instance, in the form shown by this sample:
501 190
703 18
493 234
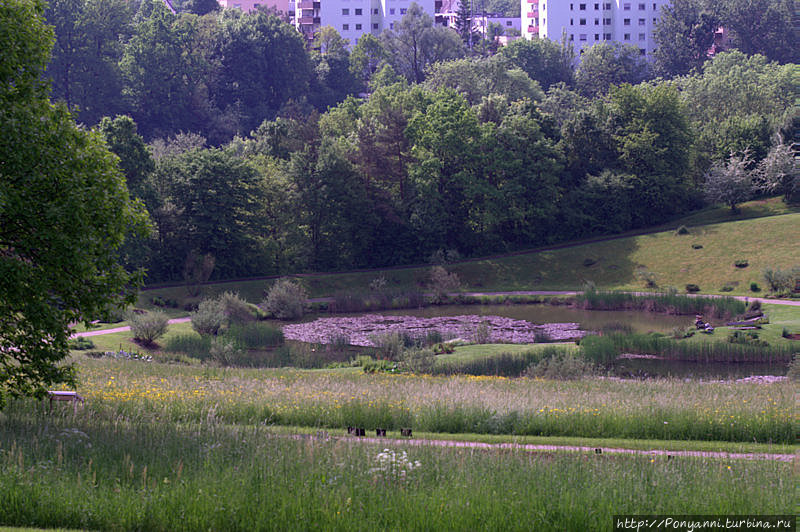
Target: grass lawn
764 234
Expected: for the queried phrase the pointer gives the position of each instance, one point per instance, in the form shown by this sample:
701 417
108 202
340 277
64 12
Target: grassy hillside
765 234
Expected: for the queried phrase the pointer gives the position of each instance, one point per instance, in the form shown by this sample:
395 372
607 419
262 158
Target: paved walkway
121 329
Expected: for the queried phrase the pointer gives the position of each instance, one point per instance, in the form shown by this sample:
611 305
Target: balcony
533 29
308 5
309 20
533 14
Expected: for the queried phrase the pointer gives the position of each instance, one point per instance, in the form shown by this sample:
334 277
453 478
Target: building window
571 7
642 36
359 12
346 27
607 6
582 22
583 37
642 51
508 23
606 22
391 11
391 25
596 7
582 7
641 7
597 22
626 22
374 25
403 11
626 6
375 11
571 37
358 27
596 36
571 22
606 36
655 7
642 22
345 11
626 37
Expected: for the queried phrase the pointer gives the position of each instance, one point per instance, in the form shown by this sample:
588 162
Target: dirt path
120 329
569 448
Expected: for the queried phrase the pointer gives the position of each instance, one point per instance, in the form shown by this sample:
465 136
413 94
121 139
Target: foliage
563 366
606 64
442 283
147 327
64 213
209 317
780 280
417 360
255 335
285 299
543 60
730 183
683 35
81 343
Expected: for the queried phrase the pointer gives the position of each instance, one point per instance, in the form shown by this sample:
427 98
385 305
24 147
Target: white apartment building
353 18
589 22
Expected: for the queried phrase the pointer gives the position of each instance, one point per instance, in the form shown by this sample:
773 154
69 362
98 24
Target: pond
539 314
644 368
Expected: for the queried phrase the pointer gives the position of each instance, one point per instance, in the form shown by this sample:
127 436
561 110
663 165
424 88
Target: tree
417 43
201 7
606 64
135 160
542 59
463 23
683 36
763 27
477 78
64 211
368 56
730 183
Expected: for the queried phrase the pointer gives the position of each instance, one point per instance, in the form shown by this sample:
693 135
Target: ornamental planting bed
362 330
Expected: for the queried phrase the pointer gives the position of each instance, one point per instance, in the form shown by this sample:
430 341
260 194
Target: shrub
80 343
236 309
442 283
390 345
285 300
589 262
682 230
754 287
647 277
785 333
209 317
697 246
726 288
375 366
148 327
418 360
563 366
224 351
741 264
754 305
692 288
482 333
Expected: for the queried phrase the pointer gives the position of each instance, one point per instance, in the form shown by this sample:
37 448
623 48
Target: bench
72 397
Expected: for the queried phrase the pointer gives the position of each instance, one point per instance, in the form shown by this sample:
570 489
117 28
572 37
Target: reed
717 307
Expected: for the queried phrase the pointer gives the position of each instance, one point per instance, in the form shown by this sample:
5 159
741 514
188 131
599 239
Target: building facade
586 23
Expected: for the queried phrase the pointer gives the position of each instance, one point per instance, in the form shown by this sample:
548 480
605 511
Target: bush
442 283
149 326
390 345
741 264
754 287
418 360
589 262
482 333
285 300
80 343
697 246
692 288
682 230
209 318
754 305
224 351
794 369
236 309
781 280
563 366
647 277
726 288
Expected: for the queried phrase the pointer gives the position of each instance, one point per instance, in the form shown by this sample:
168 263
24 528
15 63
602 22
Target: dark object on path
598 451
405 432
380 432
356 431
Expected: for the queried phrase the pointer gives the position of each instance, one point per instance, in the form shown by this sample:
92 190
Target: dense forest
254 155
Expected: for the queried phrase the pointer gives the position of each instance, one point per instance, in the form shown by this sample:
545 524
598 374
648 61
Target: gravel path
561 448
121 329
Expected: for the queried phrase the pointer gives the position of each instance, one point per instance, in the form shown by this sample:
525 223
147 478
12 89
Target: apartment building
587 23
284 6
353 18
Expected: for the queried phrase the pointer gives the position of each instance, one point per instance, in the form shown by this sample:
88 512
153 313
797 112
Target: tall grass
92 475
669 409
255 335
501 364
718 307
605 349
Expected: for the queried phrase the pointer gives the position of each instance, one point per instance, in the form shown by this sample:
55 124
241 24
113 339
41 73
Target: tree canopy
64 211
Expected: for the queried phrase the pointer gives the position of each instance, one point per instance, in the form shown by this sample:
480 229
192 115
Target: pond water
643 368
539 314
